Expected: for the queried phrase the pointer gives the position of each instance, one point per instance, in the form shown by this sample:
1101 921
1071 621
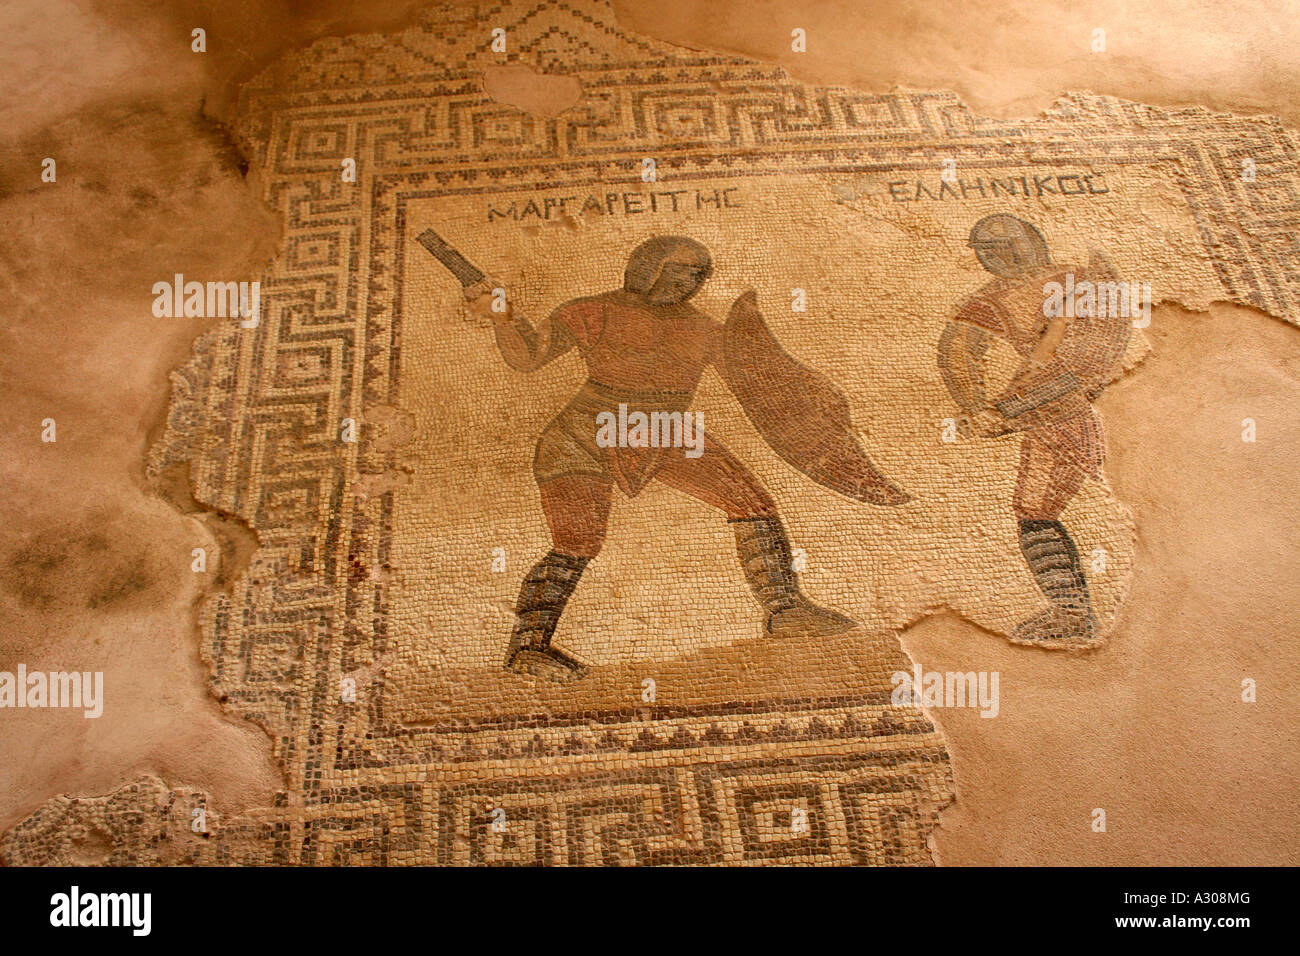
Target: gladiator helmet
1008 246
667 270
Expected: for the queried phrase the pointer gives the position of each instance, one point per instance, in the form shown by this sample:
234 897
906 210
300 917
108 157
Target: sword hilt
465 271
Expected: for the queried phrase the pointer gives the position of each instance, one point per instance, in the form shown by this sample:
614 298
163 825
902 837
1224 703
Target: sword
465 271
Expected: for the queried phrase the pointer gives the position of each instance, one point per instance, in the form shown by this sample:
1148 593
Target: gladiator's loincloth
568 444
1055 460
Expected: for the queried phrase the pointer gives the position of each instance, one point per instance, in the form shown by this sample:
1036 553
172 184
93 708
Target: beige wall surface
95 557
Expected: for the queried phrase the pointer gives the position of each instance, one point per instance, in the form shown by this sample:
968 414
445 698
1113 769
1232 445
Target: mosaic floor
702 651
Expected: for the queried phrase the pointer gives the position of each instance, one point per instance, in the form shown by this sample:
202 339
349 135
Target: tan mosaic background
883 284
845 215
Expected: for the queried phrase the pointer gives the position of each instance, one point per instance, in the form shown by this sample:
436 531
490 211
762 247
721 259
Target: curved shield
797 410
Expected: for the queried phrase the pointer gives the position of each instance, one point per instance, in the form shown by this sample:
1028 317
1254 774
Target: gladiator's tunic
1051 403
649 362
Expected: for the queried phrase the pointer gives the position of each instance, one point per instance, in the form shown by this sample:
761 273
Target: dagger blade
465 271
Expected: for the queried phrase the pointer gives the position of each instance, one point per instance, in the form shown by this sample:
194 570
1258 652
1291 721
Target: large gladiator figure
1066 362
645 348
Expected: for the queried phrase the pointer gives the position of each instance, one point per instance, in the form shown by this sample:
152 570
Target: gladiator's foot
768 563
550 664
545 591
807 619
1057 624
1054 561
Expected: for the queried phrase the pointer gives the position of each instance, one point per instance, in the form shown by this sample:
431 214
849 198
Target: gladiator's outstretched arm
523 347
961 355
1071 361
526 349
1037 386
1056 370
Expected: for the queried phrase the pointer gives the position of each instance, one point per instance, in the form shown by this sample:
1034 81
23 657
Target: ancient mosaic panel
698 666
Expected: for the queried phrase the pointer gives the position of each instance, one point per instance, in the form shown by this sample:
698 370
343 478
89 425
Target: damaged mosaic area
701 657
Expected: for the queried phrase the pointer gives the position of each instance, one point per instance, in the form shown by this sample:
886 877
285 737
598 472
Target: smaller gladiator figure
645 348
1067 361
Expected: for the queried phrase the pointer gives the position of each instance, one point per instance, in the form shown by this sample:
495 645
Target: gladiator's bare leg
1044 486
719 479
577 510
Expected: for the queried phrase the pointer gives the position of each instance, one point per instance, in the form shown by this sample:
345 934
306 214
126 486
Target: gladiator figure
645 348
1066 362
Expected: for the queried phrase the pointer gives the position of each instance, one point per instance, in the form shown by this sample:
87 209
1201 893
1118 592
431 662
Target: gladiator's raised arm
524 347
